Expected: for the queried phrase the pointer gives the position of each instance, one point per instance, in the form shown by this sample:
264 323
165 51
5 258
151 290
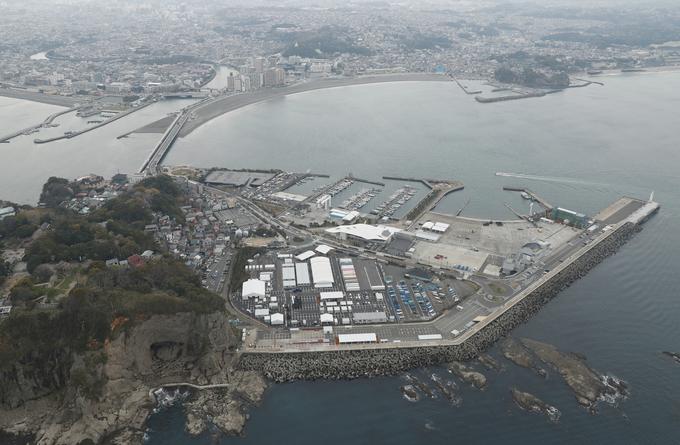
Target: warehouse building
302 274
288 275
345 339
322 274
276 319
253 288
569 217
333 295
370 317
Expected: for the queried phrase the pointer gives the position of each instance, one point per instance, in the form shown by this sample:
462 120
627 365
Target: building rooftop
366 232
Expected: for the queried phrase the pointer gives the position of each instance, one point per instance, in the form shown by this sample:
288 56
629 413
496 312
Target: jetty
533 195
32 129
73 134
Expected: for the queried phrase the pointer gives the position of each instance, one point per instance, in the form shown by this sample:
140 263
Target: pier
366 181
425 182
438 191
464 88
534 196
488 100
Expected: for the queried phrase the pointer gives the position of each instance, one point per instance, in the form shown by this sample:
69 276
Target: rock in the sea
448 389
426 390
674 355
588 386
477 379
519 355
225 408
530 402
410 393
489 362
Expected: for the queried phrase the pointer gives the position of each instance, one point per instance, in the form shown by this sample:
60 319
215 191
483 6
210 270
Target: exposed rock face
477 379
34 376
588 386
162 349
519 355
225 408
530 402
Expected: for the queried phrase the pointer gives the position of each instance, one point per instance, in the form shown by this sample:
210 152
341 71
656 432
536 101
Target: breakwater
348 364
94 127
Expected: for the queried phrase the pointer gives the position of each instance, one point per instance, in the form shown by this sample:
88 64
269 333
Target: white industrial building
302 274
322 274
261 312
304 256
369 317
276 319
364 232
253 288
438 227
323 249
333 295
357 338
326 319
288 275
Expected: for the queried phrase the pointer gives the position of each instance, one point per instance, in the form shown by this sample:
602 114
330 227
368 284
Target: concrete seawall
348 364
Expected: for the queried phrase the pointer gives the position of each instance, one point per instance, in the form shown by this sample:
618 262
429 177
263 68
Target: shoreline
288 366
230 103
34 96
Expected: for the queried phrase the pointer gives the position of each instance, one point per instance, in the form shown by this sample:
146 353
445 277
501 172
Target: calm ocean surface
582 149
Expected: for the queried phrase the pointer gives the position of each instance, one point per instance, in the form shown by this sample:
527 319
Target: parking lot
371 293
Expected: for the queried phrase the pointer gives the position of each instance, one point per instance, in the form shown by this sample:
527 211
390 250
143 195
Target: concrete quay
335 362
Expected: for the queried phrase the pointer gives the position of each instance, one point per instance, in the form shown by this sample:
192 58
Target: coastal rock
477 379
588 386
489 362
519 355
426 390
225 408
410 393
56 411
530 402
448 389
674 355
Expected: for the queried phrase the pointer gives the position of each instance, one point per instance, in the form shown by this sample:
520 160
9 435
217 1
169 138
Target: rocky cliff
67 398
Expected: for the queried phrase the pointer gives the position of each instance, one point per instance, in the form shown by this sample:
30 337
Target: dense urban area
133 49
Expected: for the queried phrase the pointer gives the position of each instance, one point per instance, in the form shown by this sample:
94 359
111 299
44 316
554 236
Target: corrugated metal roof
358 338
322 274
